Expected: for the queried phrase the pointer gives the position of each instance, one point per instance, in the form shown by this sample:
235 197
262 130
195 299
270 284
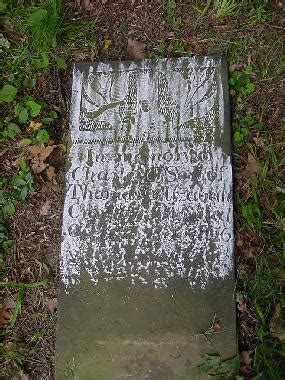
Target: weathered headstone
147 245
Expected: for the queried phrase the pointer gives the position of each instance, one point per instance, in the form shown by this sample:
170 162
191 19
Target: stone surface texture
147 238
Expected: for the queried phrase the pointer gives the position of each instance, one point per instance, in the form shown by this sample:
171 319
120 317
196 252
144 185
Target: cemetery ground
39 42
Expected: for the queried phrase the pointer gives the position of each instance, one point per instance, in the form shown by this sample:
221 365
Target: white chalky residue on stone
190 236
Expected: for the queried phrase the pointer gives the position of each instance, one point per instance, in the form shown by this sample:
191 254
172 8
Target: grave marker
147 238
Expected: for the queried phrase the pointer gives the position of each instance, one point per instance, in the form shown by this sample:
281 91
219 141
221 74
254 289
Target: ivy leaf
34 107
23 116
17 109
25 142
60 63
42 136
41 63
9 208
12 130
8 93
24 192
250 87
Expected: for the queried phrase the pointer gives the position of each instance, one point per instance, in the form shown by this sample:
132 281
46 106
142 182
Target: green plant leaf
29 82
249 120
23 116
2 199
24 192
3 7
8 93
7 244
23 165
60 63
37 18
17 109
18 307
9 208
238 137
14 129
250 87
17 181
212 361
53 115
25 142
34 107
41 63
42 136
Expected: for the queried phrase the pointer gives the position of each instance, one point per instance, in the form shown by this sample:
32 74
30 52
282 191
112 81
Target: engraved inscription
149 188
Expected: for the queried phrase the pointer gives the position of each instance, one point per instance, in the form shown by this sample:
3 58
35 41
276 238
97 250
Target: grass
41 40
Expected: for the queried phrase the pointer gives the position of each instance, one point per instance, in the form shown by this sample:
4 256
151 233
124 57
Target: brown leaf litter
136 50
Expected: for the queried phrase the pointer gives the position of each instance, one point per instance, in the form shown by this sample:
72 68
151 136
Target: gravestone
147 261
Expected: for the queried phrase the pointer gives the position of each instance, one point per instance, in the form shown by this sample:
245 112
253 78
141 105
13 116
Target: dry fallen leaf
50 172
249 253
41 81
33 127
239 242
45 208
259 141
85 4
37 155
136 49
252 166
21 376
51 304
216 327
6 311
241 303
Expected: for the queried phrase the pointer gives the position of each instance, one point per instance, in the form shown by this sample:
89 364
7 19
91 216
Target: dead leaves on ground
43 159
6 311
38 155
45 208
136 50
51 304
252 167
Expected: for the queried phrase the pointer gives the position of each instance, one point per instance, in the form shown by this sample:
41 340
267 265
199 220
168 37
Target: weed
8 93
251 214
179 47
273 62
221 8
224 8
241 83
15 354
22 182
160 49
171 10
258 10
44 24
71 369
264 291
215 367
21 185
10 131
203 11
